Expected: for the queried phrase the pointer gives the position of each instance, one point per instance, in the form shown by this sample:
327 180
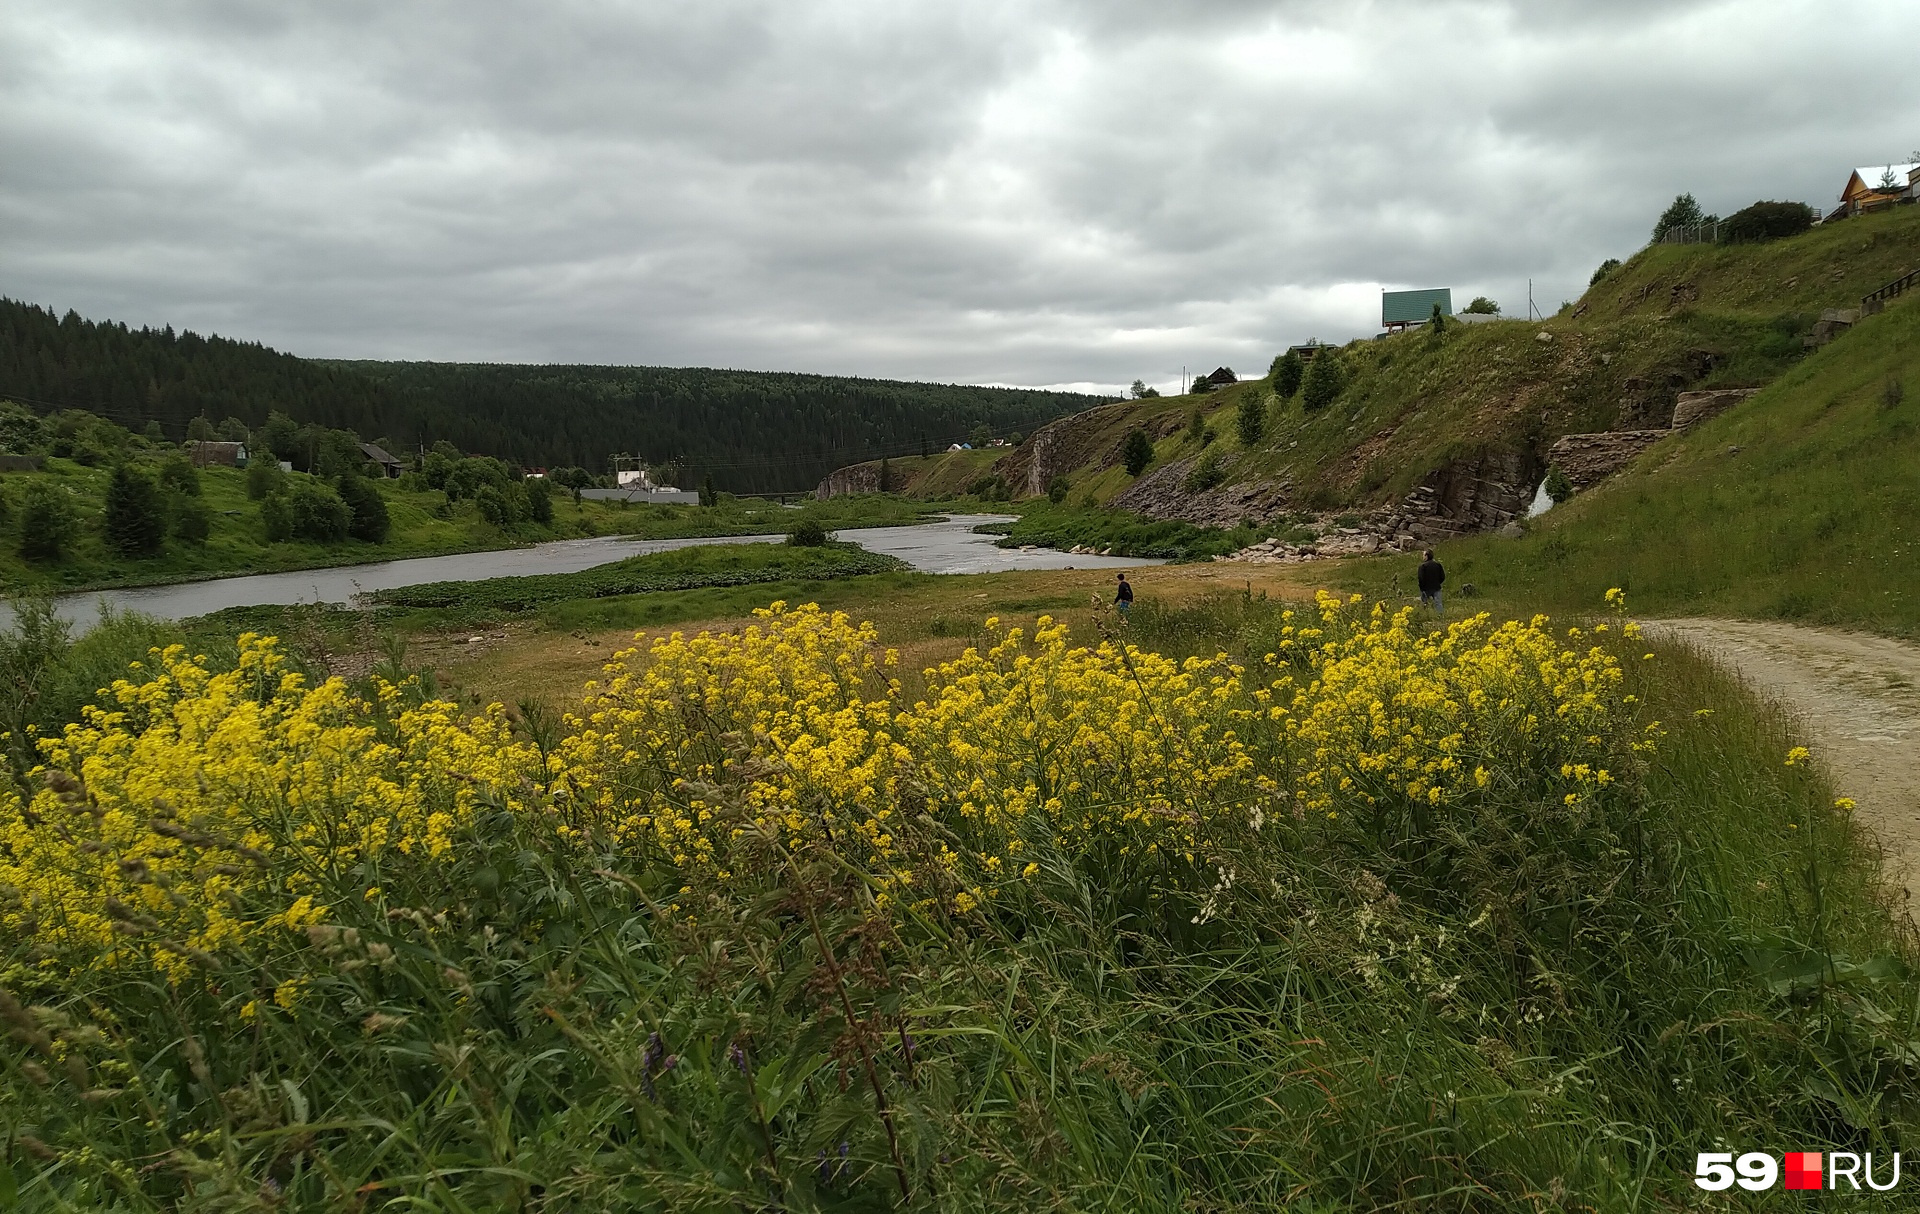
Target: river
946 546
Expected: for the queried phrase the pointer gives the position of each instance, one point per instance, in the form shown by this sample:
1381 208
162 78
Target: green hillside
1803 503
1672 318
750 431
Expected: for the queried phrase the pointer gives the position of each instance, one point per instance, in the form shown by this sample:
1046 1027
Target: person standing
1432 575
1123 597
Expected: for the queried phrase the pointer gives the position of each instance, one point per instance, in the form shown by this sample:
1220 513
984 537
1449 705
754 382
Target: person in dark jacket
1431 576
1123 597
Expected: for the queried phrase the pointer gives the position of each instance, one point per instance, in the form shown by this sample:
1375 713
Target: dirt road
1858 699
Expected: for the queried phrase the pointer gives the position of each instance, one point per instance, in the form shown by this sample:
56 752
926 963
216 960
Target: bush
1766 221
807 533
47 523
709 494
369 508
1323 381
539 493
497 505
990 488
264 477
1287 373
1606 267
1558 487
1137 451
1482 306
1683 212
192 520
307 511
133 523
1057 490
1251 419
178 475
1205 473
466 478
1196 424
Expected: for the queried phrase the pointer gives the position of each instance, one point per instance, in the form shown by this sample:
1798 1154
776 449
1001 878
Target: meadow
1242 902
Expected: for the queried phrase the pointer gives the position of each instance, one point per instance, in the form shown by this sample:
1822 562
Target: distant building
1306 352
1877 186
1399 309
217 455
389 466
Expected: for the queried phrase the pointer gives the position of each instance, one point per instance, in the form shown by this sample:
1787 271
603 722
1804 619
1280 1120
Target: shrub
264 477
370 520
807 533
1606 267
133 523
47 523
1196 424
1558 487
1251 418
178 475
539 491
1482 306
1766 221
709 494
991 488
1137 451
497 504
1287 373
309 511
1323 381
21 430
192 520
1205 473
465 479
1057 490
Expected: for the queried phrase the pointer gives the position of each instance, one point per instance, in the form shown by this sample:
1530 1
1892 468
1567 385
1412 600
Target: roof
1873 174
207 444
1408 307
376 454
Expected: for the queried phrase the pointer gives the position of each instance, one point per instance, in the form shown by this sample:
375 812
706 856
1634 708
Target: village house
1877 186
389 466
217 455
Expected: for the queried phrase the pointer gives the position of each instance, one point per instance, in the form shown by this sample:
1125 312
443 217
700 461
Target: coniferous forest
751 431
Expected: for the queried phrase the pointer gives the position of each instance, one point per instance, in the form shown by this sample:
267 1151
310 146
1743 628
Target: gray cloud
1072 192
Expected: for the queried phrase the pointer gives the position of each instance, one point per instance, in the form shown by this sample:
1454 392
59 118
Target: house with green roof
1398 309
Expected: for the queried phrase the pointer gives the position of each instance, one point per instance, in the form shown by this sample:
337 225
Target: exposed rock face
1162 493
1588 459
1071 442
855 478
1695 407
1478 494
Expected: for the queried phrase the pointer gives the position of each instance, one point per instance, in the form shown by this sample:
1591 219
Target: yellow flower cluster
164 812
1385 713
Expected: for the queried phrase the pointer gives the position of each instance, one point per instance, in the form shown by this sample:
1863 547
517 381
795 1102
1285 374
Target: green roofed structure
1398 309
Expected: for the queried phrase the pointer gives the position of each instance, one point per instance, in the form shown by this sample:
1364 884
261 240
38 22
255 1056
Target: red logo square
1803 1169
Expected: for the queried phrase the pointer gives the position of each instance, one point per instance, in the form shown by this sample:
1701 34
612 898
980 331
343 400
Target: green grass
702 567
424 524
1712 965
1816 518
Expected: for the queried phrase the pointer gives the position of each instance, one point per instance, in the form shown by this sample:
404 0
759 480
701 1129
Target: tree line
749 431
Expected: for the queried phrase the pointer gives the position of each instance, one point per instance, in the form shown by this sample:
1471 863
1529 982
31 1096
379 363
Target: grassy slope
1411 406
422 526
1813 519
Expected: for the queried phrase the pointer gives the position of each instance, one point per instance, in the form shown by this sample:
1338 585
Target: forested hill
753 431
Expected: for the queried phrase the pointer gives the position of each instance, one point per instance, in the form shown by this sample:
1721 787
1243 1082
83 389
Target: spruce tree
1287 371
134 524
1252 417
1322 381
370 520
1138 451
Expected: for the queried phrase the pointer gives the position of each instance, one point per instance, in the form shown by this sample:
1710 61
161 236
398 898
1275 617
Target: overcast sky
1077 192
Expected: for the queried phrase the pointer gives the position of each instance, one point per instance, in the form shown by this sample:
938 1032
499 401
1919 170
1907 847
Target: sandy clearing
1858 699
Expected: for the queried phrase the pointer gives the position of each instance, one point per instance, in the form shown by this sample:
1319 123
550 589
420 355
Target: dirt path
1857 697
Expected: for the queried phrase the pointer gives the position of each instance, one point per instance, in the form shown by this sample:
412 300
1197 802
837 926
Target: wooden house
217 455
389 466
1877 186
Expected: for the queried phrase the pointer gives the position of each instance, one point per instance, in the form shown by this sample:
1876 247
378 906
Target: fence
1871 303
1697 233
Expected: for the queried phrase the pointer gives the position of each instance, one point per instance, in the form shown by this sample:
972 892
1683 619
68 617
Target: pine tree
134 524
370 520
1138 451
1252 417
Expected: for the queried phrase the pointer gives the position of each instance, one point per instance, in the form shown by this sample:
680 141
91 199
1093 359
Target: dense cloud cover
1075 191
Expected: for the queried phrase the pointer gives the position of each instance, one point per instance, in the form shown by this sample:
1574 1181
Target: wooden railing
1872 303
